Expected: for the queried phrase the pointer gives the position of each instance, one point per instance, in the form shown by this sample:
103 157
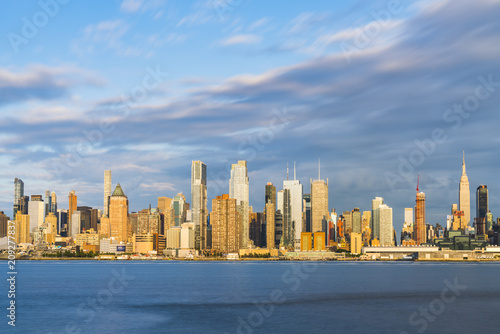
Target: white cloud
131 6
242 39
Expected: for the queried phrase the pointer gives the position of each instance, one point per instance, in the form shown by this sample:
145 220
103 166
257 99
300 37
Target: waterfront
254 297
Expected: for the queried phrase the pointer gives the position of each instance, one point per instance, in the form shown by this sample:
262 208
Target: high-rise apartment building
375 221
384 214
464 195
107 192
53 203
226 224
22 229
73 204
48 202
239 190
118 215
36 211
3 224
319 203
199 202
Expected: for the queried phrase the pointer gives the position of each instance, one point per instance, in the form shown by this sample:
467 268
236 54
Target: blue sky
373 89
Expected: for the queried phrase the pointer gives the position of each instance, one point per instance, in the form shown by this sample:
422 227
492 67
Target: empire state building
464 194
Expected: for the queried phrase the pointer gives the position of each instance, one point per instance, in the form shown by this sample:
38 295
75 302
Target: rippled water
254 297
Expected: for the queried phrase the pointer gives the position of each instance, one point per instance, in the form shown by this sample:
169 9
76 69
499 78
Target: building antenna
287 170
319 169
294 172
418 181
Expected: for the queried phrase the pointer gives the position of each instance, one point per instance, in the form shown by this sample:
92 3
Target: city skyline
272 85
397 224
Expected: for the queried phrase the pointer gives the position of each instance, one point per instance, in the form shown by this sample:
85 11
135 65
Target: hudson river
253 297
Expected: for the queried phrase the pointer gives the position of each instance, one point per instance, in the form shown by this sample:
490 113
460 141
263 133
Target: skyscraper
18 193
356 221
284 207
386 226
270 225
270 193
118 215
73 204
464 195
53 203
48 202
375 222
307 213
179 207
296 202
482 202
239 190
226 223
107 191
199 202
36 211
319 202
419 228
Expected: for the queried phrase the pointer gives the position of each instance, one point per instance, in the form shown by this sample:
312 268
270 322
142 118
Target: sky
380 92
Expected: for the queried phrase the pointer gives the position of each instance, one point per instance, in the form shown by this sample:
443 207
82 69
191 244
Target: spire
463 164
118 191
418 181
294 172
287 170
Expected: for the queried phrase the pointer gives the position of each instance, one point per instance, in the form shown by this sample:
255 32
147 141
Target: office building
306 214
239 190
296 202
482 203
464 195
319 203
18 193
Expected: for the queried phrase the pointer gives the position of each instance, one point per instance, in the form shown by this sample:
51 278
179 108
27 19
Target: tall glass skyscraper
296 202
18 193
481 201
239 190
199 202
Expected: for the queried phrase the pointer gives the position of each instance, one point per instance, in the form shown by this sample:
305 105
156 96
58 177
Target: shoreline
261 260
